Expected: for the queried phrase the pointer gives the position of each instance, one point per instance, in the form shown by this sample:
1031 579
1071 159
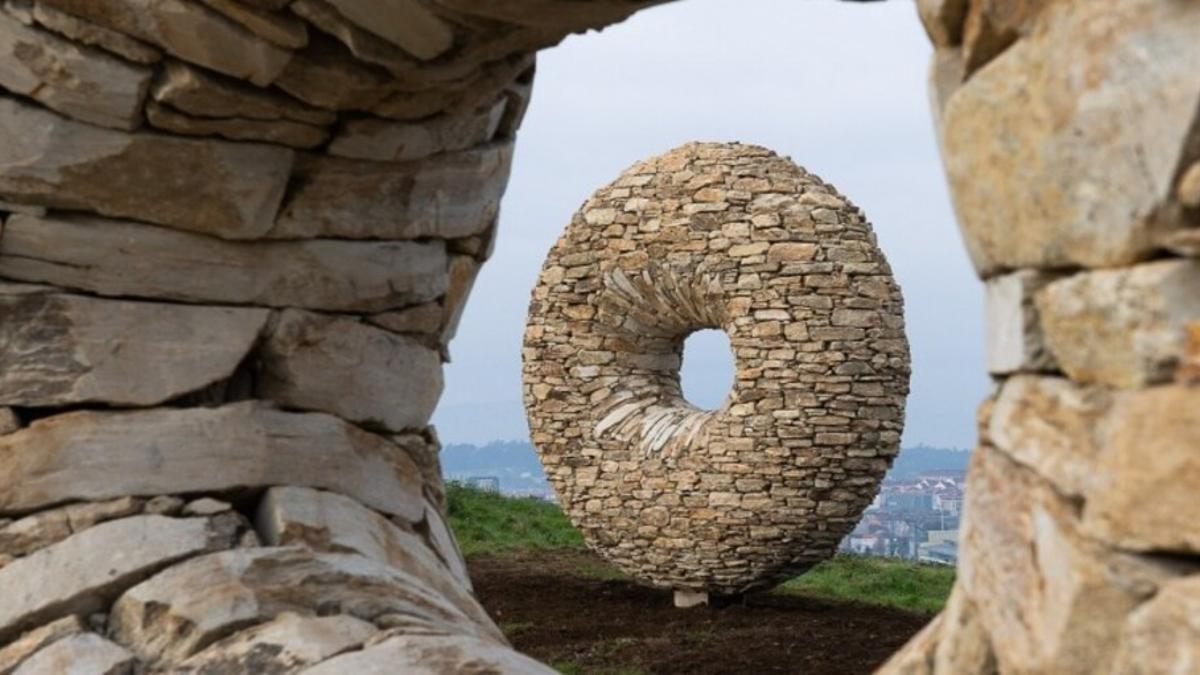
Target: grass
877 581
487 523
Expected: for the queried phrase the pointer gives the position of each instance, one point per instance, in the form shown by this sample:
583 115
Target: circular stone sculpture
724 501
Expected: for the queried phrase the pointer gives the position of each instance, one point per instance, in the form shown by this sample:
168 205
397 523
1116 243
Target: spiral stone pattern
737 238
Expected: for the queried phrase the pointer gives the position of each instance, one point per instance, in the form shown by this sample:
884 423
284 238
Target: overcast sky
839 87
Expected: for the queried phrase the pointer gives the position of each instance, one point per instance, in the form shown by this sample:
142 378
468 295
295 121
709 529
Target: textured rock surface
1163 636
206 598
1126 327
1014 332
62 349
288 642
731 237
226 189
353 370
76 81
1063 149
127 259
218 449
83 572
431 655
82 653
326 521
15 652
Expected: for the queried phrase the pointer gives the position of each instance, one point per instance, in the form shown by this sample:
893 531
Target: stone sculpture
208 204
722 501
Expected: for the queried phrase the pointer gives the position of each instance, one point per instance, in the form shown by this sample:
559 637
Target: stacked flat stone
725 501
1069 131
236 237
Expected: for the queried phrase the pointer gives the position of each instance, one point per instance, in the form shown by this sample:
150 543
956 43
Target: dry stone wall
736 238
236 237
1070 135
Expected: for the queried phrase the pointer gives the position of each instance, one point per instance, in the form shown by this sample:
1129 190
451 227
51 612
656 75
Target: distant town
915 516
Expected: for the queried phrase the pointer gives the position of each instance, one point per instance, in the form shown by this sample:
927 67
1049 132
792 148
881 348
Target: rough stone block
448 196
62 349
79 82
1053 166
1051 599
84 572
432 655
15 652
353 370
79 653
240 445
1163 635
122 258
329 522
1123 328
393 141
291 640
203 599
225 189
1013 331
189 31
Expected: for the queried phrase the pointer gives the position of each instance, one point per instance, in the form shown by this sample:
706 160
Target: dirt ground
571 611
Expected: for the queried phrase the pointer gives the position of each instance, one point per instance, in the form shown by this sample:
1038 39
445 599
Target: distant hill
920 459
516 464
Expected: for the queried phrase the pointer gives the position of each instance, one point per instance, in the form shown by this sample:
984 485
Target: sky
839 87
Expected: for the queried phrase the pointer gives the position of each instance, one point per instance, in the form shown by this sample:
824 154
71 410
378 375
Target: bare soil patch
570 610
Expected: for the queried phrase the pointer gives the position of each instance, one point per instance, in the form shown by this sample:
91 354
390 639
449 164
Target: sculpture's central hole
707 372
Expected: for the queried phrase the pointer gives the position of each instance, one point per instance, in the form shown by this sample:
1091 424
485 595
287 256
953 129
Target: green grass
877 581
487 523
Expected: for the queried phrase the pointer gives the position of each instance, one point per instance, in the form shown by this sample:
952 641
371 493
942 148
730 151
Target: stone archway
298 194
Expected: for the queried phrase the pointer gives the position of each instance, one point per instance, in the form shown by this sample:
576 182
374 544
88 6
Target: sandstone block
463 271
991 26
15 652
443 541
84 572
79 654
407 24
95 35
1123 328
39 530
277 28
1163 635
1143 493
329 522
63 349
423 319
281 132
1189 187
1013 333
355 371
431 655
189 31
225 189
943 20
292 641
79 82
127 259
394 141
1051 425
1036 182
241 445
9 422
449 196
1051 599
203 599
203 94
